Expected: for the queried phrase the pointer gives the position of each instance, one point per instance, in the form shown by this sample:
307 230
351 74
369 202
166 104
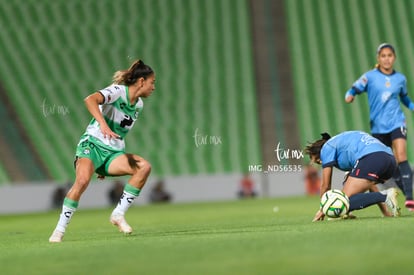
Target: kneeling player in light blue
368 161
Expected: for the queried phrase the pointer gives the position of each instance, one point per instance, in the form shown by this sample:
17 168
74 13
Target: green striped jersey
119 114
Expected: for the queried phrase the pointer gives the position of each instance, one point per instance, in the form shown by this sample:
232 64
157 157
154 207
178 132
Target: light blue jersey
343 150
384 94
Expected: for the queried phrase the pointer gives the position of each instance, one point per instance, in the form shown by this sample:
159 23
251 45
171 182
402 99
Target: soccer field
259 236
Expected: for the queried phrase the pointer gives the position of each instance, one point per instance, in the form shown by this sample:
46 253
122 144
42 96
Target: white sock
124 203
64 218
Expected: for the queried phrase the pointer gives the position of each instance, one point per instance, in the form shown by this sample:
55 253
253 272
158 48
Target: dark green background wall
332 44
54 53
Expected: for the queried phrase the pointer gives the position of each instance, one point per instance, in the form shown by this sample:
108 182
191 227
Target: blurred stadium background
247 74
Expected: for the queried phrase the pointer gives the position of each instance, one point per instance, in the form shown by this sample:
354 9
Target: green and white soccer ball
334 203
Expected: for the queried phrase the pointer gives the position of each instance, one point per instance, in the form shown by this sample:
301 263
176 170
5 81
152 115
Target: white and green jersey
119 114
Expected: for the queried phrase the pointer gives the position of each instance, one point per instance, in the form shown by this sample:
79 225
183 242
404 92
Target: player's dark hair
137 70
385 45
314 148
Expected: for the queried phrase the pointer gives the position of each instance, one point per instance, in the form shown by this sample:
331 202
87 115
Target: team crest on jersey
86 151
387 82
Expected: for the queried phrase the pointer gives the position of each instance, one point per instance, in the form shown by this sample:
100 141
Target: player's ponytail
137 70
314 148
325 136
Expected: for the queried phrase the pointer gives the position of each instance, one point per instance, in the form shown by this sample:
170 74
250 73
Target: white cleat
56 237
392 202
120 222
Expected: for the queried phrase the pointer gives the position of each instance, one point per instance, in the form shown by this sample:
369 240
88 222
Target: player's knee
139 164
145 167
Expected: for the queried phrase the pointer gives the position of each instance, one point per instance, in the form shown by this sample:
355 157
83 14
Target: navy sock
407 179
363 200
397 178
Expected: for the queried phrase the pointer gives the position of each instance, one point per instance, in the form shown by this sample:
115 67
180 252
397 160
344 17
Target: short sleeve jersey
119 114
342 151
384 92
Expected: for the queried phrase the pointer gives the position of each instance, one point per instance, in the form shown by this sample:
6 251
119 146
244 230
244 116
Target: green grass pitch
258 236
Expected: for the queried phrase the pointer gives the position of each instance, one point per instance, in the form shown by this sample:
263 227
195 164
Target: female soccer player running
101 148
368 161
385 88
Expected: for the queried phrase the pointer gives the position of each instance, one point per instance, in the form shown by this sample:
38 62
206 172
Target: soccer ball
334 203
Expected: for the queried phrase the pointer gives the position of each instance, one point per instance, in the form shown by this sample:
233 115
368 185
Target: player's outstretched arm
350 95
406 100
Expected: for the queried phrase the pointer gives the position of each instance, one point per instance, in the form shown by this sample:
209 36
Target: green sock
132 190
70 203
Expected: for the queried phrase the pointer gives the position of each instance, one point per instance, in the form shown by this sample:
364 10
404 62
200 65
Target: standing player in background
368 161
101 148
385 88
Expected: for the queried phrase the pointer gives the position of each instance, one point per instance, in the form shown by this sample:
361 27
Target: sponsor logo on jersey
127 121
385 96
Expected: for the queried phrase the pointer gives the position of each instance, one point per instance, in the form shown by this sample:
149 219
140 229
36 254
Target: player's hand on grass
386 213
384 210
319 216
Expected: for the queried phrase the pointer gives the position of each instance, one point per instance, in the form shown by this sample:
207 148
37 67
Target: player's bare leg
139 169
84 172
